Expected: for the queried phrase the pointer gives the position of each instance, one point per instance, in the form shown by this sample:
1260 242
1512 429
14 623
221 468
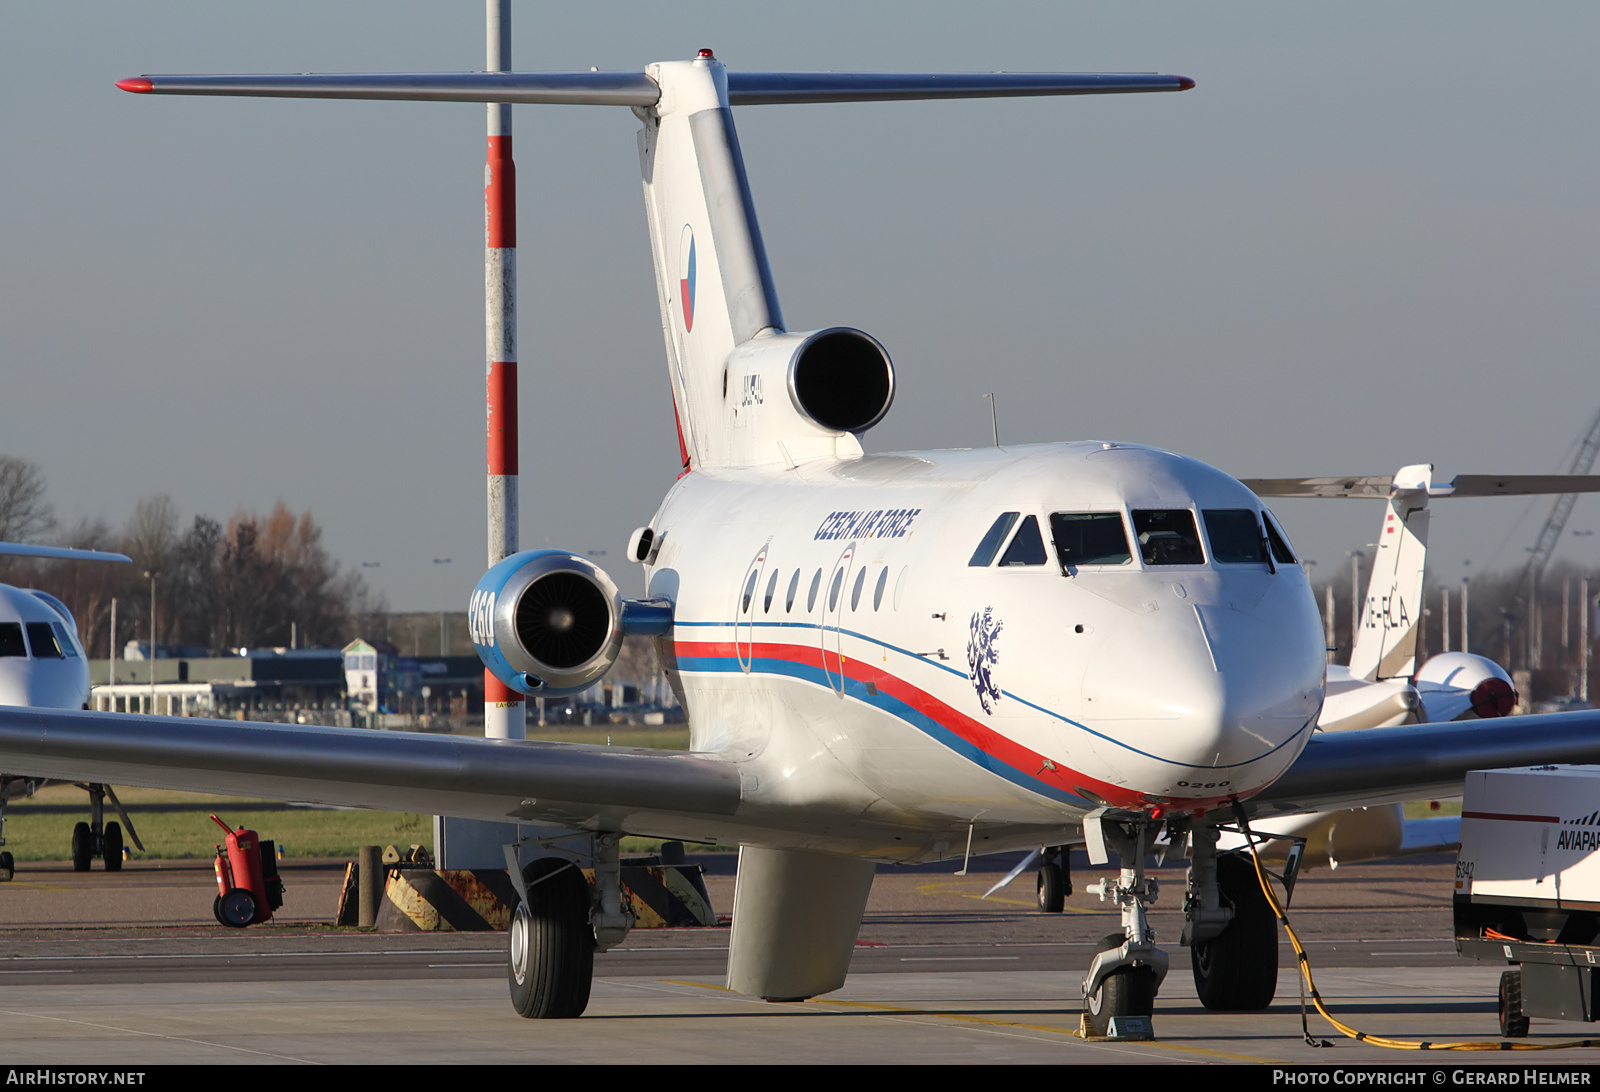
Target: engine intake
842 380
546 622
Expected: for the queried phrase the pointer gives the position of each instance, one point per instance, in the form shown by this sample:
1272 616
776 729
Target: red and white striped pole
503 713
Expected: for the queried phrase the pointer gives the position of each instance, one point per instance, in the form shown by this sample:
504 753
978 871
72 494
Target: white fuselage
931 694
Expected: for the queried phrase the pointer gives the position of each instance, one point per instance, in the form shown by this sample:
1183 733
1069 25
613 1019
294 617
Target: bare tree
24 513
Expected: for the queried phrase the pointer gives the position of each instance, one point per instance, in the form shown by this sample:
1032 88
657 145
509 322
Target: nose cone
1202 696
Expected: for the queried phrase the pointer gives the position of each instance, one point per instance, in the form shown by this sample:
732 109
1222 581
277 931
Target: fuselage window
772 586
811 596
794 586
1090 538
991 541
1235 536
1280 543
43 641
11 640
855 592
749 590
877 590
1167 536
1027 548
833 590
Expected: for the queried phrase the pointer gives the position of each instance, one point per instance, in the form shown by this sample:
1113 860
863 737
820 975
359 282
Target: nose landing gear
1128 969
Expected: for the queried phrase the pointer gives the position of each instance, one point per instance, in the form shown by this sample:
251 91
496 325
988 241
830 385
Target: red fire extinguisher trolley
248 886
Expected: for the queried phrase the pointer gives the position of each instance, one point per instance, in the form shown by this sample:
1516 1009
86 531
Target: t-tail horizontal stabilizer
746 391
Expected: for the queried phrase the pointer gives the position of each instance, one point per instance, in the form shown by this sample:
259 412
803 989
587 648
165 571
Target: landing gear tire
1513 1021
238 908
550 958
1238 970
8 866
1130 991
111 847
82 848
1052 889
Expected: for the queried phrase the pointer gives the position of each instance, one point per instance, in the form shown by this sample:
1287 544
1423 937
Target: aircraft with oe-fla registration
883 657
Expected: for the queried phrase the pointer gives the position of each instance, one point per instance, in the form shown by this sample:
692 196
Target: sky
1367 238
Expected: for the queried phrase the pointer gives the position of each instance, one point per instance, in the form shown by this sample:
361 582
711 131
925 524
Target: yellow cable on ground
1393 1044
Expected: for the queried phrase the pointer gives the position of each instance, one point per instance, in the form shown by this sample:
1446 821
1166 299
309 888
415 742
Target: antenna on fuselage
994 419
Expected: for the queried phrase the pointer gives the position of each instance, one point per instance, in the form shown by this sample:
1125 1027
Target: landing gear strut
1127 970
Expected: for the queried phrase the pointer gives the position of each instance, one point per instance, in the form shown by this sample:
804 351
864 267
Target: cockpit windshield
1090 538
1235 535
1167 536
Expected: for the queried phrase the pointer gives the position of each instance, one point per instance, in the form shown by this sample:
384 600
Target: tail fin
712 278
1386 640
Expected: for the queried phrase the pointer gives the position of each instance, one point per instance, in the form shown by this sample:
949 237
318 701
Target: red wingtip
138 85
1184 83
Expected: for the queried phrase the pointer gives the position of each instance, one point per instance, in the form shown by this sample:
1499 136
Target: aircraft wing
619 788
1387 765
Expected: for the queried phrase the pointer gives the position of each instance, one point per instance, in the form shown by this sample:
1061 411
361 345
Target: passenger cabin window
11 640
749 590
1027 546
1090 538
42 639
1167 536
788 597
1235 535
1280 543
855 592
772 586
877 591
992 540
811 596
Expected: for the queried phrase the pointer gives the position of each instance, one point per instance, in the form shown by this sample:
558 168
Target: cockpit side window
43 641
1235 535
11 640
992 540
1090 538
1167 536
1027 548
1278 540
67 649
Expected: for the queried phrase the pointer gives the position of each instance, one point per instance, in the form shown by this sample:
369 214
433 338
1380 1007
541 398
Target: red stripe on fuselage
981 736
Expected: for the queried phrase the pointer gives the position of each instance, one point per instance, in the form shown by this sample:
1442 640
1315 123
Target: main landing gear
562 920
1229 927
97 838
1054 883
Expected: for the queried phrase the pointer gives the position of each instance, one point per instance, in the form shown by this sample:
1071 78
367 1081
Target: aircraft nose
1205 687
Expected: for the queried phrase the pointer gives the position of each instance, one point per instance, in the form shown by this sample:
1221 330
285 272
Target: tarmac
129 969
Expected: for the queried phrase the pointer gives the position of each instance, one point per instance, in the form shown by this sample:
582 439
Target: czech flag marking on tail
686 277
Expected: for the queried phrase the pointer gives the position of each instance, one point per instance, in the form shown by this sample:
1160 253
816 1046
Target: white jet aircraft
884 658
43 664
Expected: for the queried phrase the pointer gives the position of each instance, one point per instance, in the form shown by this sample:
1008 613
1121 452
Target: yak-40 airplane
884 658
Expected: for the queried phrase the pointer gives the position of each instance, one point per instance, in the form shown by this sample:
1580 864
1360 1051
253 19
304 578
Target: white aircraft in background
1383 686
884 658
43 664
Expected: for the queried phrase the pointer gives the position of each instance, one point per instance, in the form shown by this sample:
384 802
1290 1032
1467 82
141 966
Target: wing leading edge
1386 765
571 784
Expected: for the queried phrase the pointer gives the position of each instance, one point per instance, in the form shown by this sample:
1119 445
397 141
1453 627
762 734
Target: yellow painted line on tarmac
966 1018
1052 1029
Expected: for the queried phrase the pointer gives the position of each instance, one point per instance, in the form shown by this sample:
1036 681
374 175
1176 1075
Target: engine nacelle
1460 685
551 622
838 380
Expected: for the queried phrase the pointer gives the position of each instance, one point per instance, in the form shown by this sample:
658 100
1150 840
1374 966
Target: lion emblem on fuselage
982 656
